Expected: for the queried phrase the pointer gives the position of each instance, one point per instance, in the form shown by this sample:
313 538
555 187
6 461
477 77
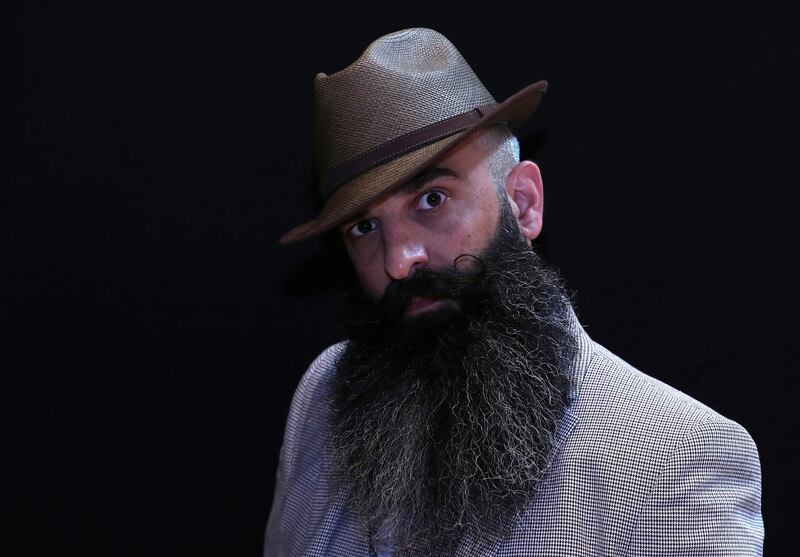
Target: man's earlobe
526 195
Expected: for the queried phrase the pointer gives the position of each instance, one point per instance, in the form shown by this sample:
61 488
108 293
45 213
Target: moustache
462 285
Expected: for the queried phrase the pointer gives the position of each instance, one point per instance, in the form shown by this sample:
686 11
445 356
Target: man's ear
526 195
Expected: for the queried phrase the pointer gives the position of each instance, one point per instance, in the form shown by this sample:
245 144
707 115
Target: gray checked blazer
639 468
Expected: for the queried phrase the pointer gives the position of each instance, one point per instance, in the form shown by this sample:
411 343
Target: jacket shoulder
637 456
614 384
628 424
316 378
307 412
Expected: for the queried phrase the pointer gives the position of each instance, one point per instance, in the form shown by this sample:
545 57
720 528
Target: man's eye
431 200
363 227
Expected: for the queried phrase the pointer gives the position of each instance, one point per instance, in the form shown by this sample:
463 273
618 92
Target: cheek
368 265
467 230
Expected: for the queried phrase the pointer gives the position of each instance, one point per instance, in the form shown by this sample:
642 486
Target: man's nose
404 252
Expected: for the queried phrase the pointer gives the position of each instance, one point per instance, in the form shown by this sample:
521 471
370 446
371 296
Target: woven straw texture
403 82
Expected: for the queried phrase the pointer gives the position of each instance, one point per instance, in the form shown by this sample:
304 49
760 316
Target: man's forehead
456 165
427 176
413 186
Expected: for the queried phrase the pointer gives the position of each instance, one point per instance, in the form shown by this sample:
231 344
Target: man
469 413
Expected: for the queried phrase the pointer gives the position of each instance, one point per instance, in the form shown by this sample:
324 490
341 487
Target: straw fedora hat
407 100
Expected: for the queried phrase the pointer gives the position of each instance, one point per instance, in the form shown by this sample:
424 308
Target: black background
154 152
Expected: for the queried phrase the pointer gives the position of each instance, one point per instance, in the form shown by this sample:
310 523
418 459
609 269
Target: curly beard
443 423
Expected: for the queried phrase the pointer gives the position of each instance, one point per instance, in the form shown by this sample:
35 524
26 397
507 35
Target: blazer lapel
485 548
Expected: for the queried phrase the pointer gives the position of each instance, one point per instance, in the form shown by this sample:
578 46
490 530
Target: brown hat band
399 146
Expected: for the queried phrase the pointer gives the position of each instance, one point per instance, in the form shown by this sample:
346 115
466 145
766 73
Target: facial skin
448 211
444 410
456 373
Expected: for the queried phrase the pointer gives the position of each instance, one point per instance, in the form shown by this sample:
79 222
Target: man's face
442 424
446 212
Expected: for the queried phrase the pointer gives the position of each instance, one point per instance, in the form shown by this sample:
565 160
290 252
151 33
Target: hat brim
361 191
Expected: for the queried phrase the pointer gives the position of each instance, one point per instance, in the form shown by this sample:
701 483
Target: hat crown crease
370 120
402 82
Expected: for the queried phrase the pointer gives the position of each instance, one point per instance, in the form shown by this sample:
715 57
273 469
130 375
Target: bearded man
469 413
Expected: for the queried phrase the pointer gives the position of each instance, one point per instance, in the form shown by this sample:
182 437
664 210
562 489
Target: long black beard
443 423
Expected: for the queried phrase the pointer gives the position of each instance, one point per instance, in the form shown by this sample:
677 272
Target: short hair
503 149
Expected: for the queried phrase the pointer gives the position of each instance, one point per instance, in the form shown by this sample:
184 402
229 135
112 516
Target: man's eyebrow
415 184
427 176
